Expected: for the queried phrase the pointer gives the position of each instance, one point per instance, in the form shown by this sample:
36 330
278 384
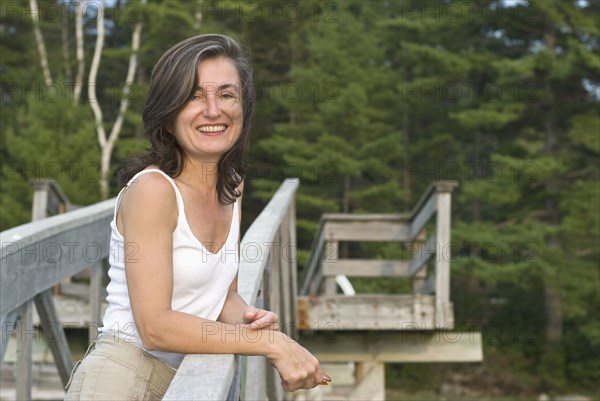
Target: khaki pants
113 369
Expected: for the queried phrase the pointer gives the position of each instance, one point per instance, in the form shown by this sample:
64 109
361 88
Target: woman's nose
211 108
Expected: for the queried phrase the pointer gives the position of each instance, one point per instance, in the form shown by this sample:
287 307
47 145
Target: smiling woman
176 85
211 122
180 207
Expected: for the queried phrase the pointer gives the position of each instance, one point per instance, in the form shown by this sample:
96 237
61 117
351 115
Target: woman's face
211 122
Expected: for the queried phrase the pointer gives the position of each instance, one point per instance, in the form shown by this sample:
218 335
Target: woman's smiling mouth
215 129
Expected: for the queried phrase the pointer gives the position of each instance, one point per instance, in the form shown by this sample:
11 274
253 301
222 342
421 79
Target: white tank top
201 279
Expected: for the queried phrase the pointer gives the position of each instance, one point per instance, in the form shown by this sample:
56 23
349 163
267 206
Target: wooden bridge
353 334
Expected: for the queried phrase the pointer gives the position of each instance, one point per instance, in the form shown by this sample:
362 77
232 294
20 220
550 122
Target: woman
173 288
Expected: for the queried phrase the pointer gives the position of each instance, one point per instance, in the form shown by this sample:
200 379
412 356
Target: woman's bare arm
148 217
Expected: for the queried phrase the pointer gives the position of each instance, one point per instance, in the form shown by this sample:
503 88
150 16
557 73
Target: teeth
212 128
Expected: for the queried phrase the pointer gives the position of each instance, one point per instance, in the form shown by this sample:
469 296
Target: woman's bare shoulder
151 198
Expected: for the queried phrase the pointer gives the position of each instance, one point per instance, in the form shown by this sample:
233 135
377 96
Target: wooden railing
325 263
38 255
48 199
267 279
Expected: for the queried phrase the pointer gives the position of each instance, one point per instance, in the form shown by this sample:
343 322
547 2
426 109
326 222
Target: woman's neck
200 175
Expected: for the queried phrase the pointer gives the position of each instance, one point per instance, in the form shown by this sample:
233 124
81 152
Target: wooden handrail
264 265
37 255
266 278
435 201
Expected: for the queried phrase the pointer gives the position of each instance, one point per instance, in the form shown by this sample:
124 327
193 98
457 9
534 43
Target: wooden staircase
372 329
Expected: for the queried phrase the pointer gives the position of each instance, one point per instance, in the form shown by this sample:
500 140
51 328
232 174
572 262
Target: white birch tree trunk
64 36
78 84
39 39
107 143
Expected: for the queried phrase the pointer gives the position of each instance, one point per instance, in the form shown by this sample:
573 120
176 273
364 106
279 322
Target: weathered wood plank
422 255
39 203
367 312
436 186
317 280
7 328
25 333
293 258
274 389
382 346
367 231
285 317
311 278
390 217
329 284
236 383
427 286
370 382
276 300
55 335
48 199
367 268
96 299
254 388
420 220
38 255
203 377
442 260
258 238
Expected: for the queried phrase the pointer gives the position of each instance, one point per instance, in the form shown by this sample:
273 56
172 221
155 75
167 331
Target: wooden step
370 312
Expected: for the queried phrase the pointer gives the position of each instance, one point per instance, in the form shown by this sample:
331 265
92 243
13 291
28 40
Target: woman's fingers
324 378
298 368
250 314
261 319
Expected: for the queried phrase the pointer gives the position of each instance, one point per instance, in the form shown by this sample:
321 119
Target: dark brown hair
174 81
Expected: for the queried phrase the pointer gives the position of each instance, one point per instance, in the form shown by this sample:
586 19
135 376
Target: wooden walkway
353 335
369 330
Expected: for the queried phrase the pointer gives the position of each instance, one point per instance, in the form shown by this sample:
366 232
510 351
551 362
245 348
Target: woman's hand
297 367
260 319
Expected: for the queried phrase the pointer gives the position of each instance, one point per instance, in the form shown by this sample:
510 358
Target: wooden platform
393 346
370 312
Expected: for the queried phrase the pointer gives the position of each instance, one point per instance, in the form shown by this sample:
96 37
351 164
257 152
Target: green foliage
52 140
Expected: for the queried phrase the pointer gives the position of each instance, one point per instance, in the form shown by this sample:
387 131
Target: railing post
292 255
286 317
274 390
442 260
25 326
40 199
235 389
95 301
53 332
275 286
330 256
24 352
420 277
